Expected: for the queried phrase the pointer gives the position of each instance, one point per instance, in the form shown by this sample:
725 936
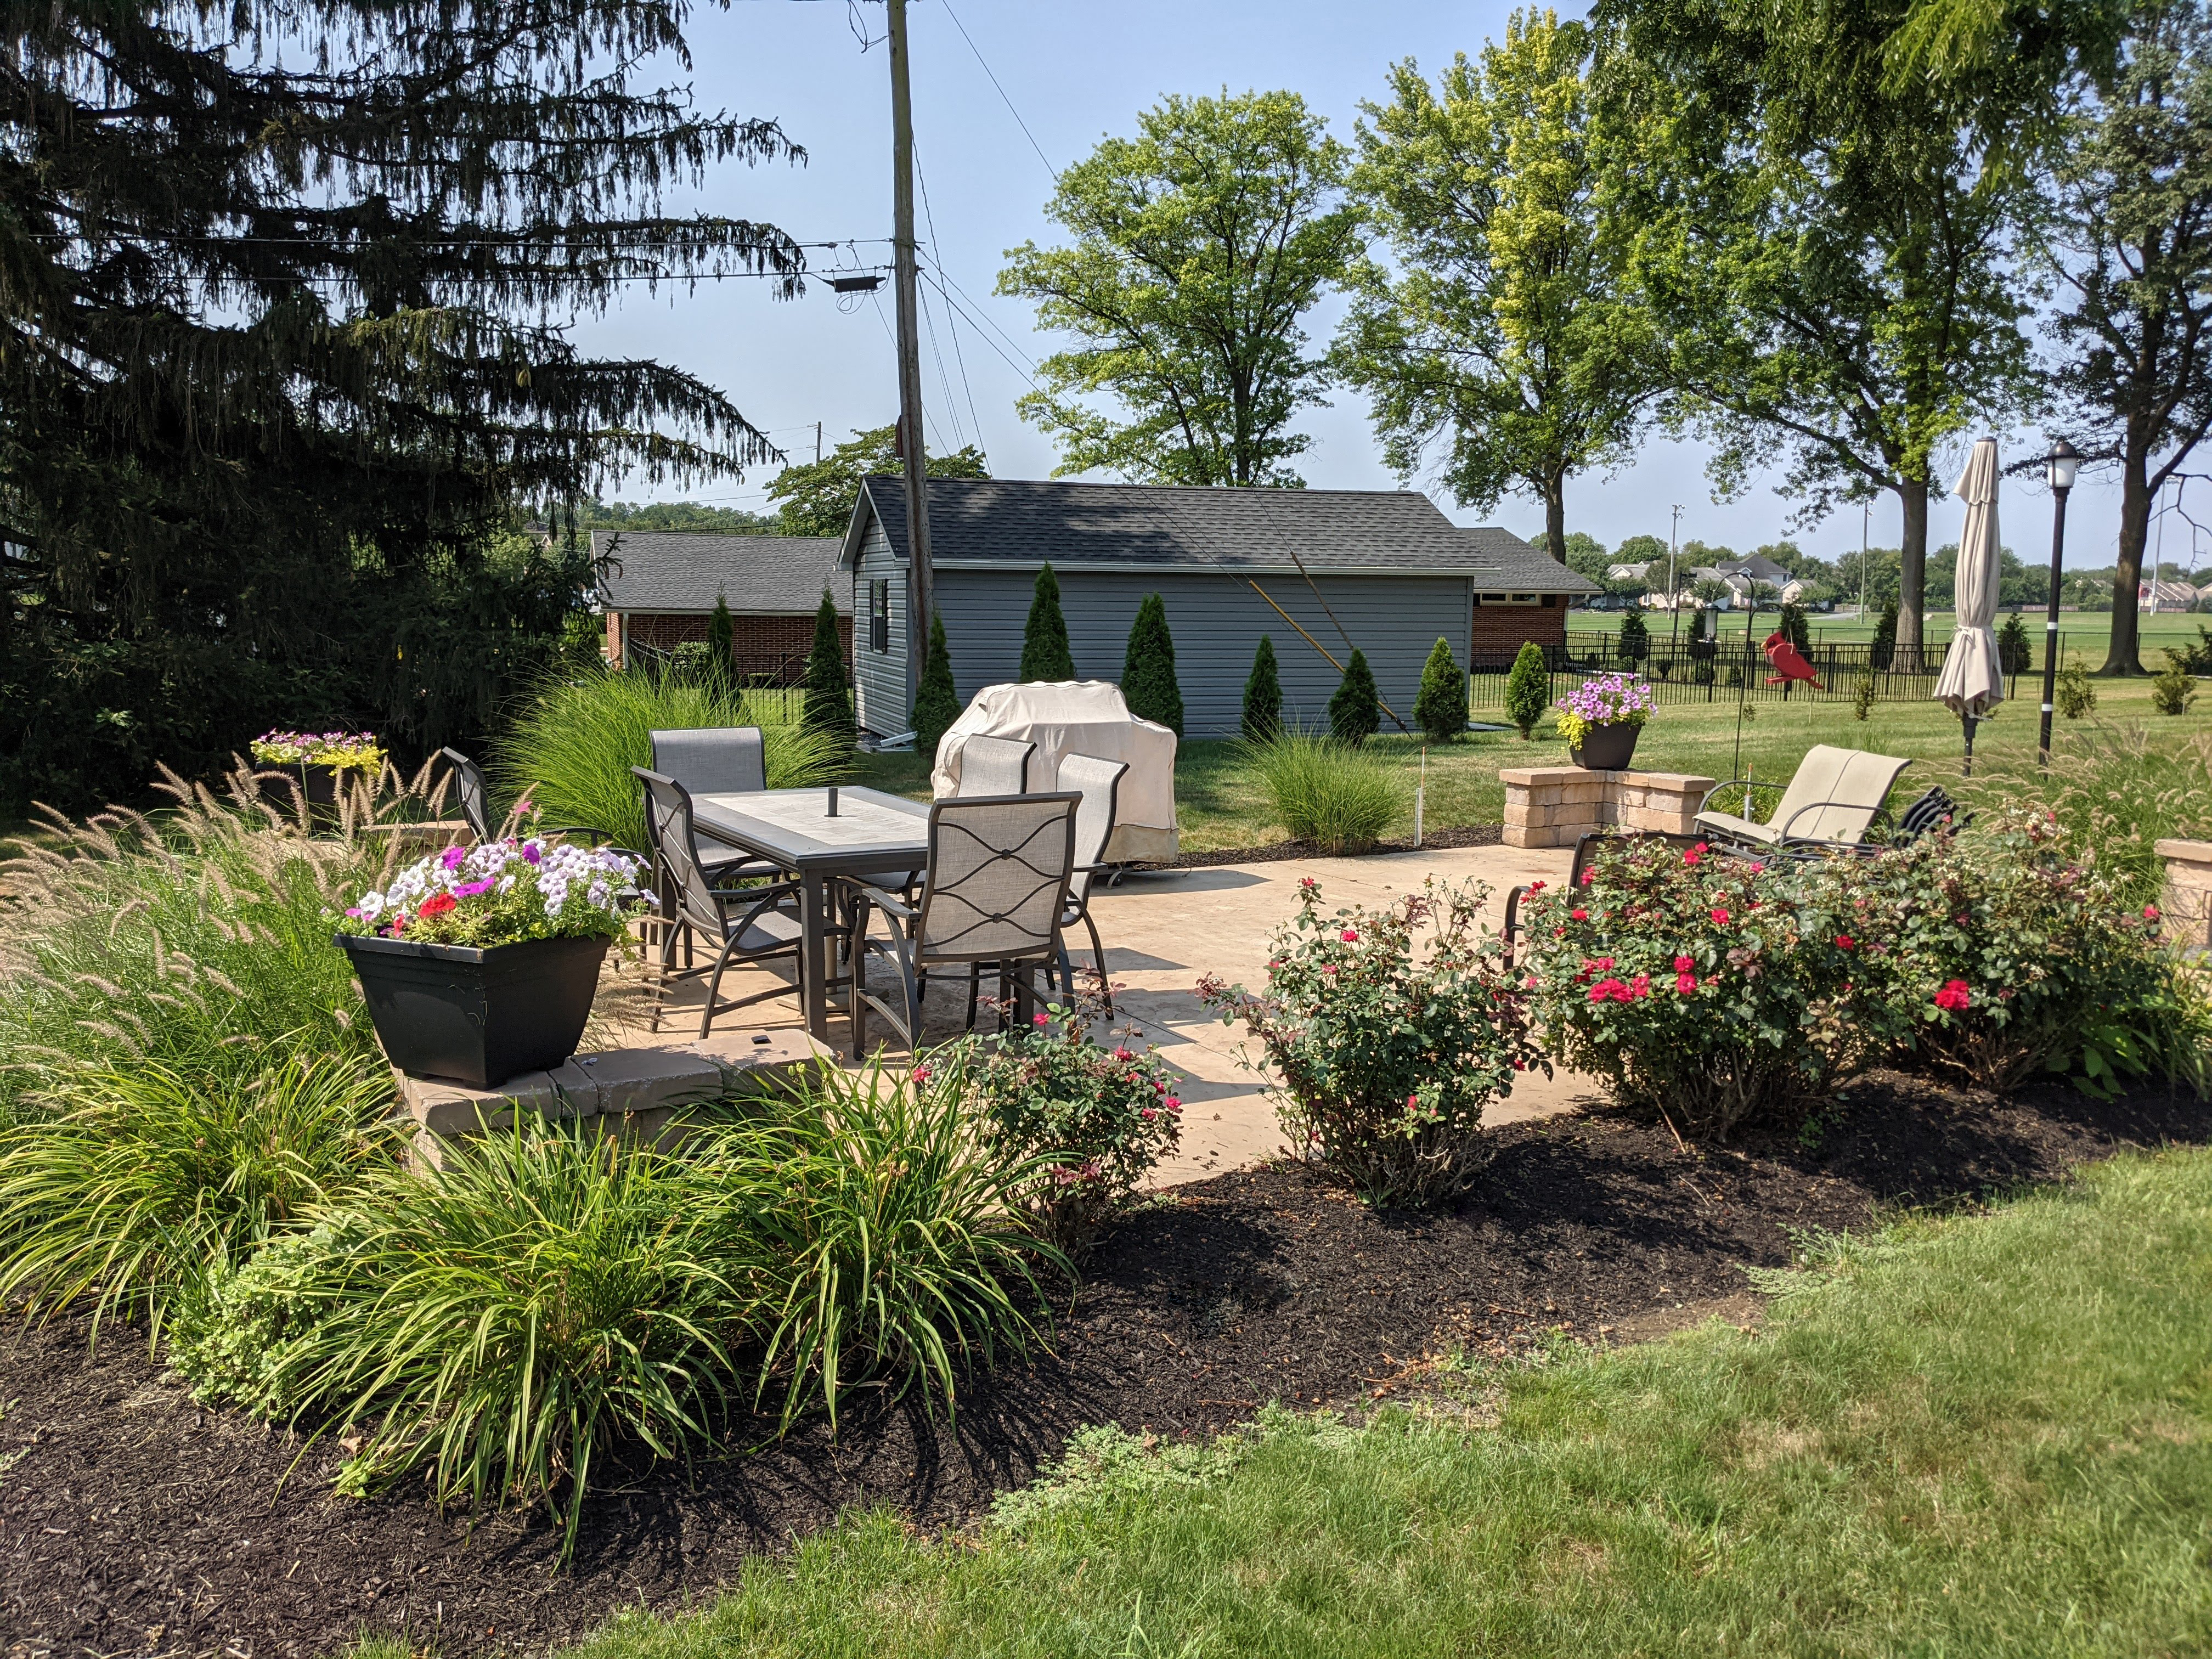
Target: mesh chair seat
994 766
1098 783
1830 801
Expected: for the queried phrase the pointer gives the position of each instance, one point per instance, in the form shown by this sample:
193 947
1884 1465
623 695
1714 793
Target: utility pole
903 281
817 443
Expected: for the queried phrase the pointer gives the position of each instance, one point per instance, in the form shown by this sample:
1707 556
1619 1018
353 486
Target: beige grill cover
1079 717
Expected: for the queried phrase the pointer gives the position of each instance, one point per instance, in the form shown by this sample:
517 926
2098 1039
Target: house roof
680 571
1756 565
1020 523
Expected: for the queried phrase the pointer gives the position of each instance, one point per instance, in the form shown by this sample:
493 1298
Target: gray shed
1310 566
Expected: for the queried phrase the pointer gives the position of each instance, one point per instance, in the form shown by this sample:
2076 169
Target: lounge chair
1829 804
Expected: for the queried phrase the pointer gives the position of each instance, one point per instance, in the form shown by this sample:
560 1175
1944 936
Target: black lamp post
2065 461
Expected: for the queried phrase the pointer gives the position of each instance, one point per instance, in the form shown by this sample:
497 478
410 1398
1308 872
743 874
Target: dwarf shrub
1527 690
936 704
1045 652
1355 711
1263 695
1391 1029
1148 668
1440 709
829 692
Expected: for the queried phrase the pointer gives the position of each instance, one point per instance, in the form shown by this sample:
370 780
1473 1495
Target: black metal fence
1713 670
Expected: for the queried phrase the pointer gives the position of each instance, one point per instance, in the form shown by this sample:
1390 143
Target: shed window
879 616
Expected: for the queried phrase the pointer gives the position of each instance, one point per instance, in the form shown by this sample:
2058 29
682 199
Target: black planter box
285 786
476 1017
1607 748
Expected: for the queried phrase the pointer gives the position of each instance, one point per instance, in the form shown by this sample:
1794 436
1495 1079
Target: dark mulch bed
132 1521
1466 834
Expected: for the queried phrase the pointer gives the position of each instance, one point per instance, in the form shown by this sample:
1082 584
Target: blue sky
1074 73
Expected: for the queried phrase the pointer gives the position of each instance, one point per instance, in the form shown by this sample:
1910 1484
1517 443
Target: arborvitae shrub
1528 689
1045 652
1148 670
1440 709
1635 637
1884 638
721 642
2013 651
1355 712
1263 695
936 704
828 699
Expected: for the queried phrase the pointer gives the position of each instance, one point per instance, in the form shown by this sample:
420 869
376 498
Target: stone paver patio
1161 931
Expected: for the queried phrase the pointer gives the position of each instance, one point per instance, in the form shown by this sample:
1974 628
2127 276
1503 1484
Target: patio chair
474 802
995 892
994 766
1830 803
749 925
1099 782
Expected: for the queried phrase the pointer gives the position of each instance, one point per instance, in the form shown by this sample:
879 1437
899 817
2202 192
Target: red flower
2150 913
1683 964
1172 1103
1349 936
1588 876
1536 886
437 904
1953 996
1579 916
1842 941
1638 986
1685 983
1608 990
1039 1019
1695 855
1720 916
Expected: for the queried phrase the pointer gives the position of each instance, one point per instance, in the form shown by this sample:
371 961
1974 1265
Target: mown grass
1223 802
1983 1435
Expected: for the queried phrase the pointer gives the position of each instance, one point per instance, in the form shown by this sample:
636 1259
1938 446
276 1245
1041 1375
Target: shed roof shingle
671 570
1022 521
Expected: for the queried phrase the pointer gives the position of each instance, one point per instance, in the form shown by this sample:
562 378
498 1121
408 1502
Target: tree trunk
1555 516
2124 655
1913 584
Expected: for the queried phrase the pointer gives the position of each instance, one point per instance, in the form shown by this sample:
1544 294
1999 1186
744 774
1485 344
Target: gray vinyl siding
880 678
1217 622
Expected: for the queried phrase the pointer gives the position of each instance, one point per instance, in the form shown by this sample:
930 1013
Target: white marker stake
1420 793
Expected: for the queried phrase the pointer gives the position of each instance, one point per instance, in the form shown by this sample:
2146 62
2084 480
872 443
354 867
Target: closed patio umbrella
1973 681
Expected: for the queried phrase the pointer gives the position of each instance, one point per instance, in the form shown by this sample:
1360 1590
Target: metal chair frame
474 796
1093 833
1048 852
722 915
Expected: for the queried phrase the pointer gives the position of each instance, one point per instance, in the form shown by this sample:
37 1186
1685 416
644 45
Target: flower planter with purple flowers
1601 718
480 962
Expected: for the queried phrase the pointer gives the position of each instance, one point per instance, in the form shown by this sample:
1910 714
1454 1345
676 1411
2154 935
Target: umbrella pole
1966 718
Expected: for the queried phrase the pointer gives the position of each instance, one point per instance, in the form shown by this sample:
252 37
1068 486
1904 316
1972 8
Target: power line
952 326
934 276
1001 91
977 310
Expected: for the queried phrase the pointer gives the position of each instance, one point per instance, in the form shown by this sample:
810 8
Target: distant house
1312 567
2167 596
661 588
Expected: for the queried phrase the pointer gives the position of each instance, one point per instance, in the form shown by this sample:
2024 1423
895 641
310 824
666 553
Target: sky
1005 90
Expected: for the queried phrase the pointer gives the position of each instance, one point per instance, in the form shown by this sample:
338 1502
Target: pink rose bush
1706 988
1093 1120
1390 1031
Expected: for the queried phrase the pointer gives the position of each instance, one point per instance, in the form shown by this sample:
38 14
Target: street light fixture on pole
2065 463
1673 599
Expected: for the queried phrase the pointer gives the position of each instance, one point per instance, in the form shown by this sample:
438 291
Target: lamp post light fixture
2065 463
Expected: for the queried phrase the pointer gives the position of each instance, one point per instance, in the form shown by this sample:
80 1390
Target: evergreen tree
721 642
1440 709
286 296
1045 654
1148 672
1263 695
2013 651
1528 689
936 704
1795 629
1355 712
1885 637
1635 637
829 695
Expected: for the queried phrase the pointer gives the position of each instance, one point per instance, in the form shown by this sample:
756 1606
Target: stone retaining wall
2186 907
1558 805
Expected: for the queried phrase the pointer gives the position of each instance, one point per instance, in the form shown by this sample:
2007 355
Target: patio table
874 834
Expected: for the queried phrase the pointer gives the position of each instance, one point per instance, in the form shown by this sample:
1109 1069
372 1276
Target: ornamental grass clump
133 1184
1338 795
1708 990
1390 1029
573 741
1090 1119
196 938
1603 700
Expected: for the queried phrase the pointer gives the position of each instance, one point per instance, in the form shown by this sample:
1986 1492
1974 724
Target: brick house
659 589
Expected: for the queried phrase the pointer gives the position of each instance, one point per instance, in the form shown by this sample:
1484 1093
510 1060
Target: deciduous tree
1504 347
816 497
1194 249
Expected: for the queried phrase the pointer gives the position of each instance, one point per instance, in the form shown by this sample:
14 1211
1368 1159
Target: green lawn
2085 633
1979 1436
1220 807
